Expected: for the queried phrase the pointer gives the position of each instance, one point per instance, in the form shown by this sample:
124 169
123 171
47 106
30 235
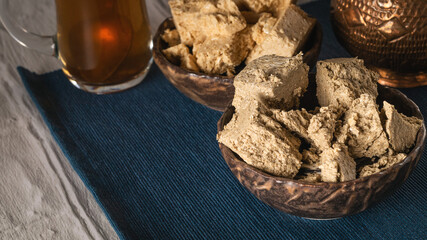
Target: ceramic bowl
328 200
214 91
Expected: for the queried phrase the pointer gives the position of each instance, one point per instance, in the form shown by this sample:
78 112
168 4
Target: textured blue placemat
150 158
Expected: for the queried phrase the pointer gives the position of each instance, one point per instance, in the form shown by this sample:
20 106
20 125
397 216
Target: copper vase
390 35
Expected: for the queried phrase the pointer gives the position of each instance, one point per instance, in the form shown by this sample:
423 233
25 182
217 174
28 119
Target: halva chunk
310 161
197 21
263 27
383 162
342 80
222 55
297 121
337 165
262 142
288 35
180 54
276 81
309 177
171 37
362 130
401 130
322 127
310 157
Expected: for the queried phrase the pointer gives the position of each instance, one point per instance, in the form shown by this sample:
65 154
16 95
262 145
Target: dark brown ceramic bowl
328 200
214 91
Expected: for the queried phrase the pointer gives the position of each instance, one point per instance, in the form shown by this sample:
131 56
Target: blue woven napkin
150 158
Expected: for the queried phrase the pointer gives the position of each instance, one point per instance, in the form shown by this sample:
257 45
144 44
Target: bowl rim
158 54
411 156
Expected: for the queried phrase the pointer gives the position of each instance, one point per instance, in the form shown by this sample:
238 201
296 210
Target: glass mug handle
43 44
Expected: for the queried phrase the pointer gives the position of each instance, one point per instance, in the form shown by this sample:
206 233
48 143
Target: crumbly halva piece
262 142
342 80
362 130
337 165
272 6
288 35
309 177
383 162
263 27
197 21
276 81
297 121
310 157
180 54
222 55
310 162
401 130
171 37
322 127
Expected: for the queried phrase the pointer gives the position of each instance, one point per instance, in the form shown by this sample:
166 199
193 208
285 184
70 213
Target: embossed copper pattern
390 35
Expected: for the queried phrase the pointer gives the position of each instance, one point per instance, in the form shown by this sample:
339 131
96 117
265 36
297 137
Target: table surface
40 194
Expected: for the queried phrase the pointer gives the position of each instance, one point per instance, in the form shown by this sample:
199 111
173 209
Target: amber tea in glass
104 45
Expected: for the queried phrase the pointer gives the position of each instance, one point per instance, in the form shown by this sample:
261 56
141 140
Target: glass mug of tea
104 45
